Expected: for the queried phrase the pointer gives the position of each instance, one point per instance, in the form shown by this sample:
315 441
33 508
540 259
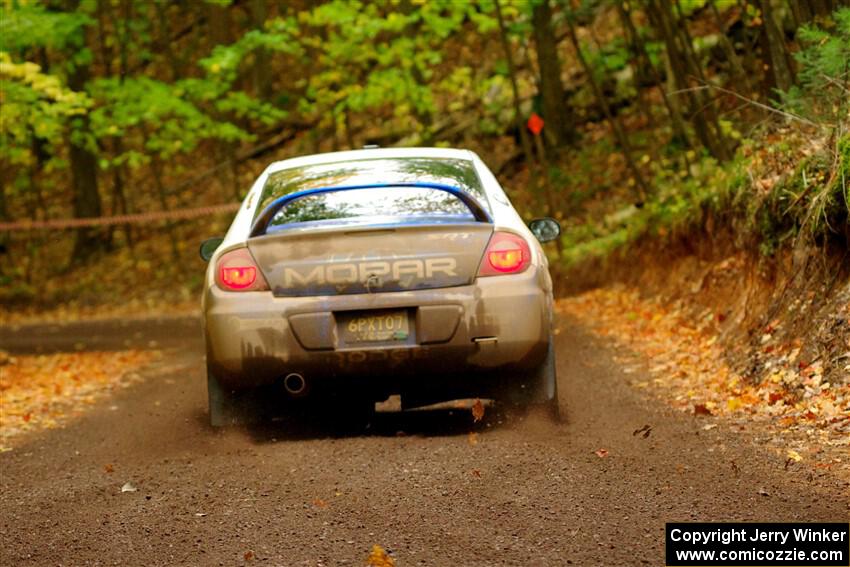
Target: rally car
352 276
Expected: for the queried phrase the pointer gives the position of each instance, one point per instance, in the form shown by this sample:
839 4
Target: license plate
374 326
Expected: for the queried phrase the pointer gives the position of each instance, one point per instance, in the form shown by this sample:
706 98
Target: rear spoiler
265 217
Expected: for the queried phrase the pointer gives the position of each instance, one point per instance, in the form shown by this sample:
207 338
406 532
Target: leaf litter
689 367
477 411
379 557
45 391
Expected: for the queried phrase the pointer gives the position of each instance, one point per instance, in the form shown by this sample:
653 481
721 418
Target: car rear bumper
497 325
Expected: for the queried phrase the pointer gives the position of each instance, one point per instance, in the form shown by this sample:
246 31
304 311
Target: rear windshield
379 204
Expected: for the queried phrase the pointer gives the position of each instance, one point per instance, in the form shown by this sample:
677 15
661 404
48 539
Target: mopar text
369 271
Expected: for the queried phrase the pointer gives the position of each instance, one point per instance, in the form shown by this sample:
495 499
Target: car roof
370 153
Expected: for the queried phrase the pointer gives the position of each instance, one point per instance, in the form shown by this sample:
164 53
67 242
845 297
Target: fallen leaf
128 488
108 468
319 503
701 409
476 473
249 555
763 492
379 558
46 391
794 455
645 430
700 371
601 453
472 438
477 411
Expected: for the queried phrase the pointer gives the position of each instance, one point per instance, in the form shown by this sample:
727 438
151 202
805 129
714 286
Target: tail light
237 271
507 253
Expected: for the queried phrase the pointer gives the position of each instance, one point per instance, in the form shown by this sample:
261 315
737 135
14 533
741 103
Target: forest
694 336
131 129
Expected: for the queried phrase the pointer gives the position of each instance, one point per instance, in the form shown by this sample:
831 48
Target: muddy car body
358 275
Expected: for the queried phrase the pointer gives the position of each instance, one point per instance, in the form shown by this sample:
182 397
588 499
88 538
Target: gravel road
431 487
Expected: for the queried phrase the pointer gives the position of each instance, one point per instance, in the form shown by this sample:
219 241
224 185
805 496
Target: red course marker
535 124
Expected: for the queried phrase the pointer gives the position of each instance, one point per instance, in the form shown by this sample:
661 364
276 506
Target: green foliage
162 115
824 73
149 116
680 204
182 84
811 200
33 106
610 57
372 57
823 95
828 210
25 25
278 35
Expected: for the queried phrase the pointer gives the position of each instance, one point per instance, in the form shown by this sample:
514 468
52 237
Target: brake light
237 271
238 278
507 253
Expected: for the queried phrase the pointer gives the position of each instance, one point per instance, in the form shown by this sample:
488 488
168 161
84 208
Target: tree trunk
750 41
518 121
734 61
616 126
643 106
777 52
218 22
164 41
560 129
260 71
84 179
119 198
706 111
5 174
86 198
4 214
677 122
156 169
682 65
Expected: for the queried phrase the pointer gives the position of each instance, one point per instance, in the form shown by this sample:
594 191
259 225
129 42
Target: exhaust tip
295 384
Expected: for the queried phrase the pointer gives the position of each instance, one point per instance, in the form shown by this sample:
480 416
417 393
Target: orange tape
118 219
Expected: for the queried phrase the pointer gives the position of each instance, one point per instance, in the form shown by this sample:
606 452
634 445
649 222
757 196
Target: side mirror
208 247
545 229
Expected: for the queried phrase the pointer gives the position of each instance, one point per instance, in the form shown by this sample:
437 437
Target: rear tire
351 416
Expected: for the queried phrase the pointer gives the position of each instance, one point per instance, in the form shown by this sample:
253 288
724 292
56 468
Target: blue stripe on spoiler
265 218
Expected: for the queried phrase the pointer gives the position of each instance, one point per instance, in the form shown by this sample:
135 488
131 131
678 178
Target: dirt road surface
430 487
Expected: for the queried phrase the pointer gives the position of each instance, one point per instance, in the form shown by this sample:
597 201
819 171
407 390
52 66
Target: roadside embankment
763 344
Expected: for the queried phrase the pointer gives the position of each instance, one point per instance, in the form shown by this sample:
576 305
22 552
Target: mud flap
232 408
539 388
